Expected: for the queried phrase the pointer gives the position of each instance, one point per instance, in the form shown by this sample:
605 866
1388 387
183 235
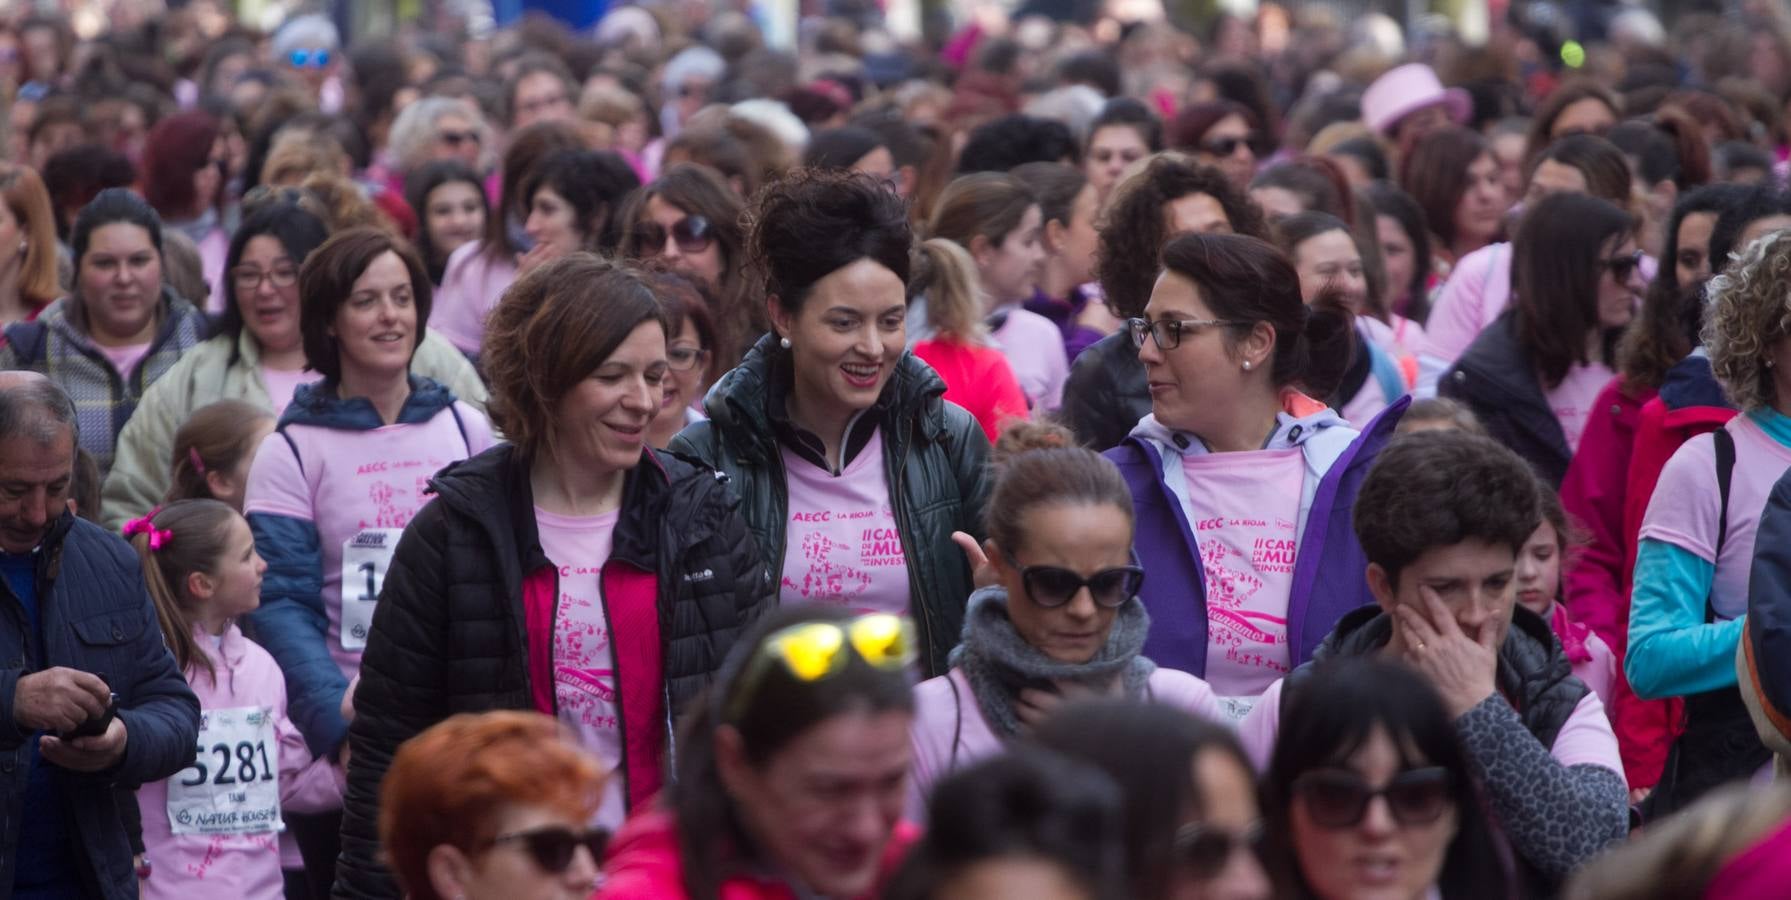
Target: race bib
365 558
233 785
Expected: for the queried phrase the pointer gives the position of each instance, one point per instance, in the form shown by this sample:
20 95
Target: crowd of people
1074 451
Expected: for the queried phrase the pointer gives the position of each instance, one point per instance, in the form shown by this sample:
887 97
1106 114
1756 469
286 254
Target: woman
1371 794
450 203
1192 821
1062 620
28 248
1453 175
183 178
332 489
690 342
1405 251
997 219
571 199
851 147
623 571
257 355
119 329
1125 132
491 806
1325 254
1106 393
1577 107
1670 159
790 770
851 469
436 129
1068 206
1225 471
1696 544
1532 375
1222 134
977 376
689 219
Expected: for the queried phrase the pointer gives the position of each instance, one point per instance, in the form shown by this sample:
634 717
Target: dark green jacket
936 457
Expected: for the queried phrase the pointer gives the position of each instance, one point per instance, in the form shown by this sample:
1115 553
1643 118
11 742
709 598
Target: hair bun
1022 436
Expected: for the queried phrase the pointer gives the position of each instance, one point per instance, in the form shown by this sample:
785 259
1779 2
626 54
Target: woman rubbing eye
1370 796
1063 621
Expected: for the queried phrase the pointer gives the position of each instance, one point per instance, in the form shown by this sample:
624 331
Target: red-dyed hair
177 147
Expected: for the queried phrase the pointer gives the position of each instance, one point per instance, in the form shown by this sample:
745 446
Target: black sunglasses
1053 586
693 234
1205 851
1336 798
456 138
1622 267
1224 146
552 848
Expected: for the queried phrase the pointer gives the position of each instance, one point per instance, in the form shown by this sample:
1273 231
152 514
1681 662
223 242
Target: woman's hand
539 255
1034 705
982 572
1461 667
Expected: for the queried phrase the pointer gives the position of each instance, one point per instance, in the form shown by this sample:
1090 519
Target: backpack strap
454 408
281 430
1725 473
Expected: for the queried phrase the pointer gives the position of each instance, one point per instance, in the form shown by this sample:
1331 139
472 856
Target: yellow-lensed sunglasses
813 651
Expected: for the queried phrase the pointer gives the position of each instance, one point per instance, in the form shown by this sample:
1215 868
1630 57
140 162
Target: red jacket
977 378
1594 494
643 863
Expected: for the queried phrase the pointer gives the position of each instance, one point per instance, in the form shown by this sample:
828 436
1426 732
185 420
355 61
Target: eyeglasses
456 138
1053 586
1205 851
248 278
1621 267
814 651
684 359
1224 146
694 234
1168 332
310 59
553 847
1338 799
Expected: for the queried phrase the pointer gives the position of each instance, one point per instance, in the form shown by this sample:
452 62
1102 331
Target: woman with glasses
1531 376
791 769
574 571
690 339
1370 794
1192 825
436 129
256 356
1241 482
851 468
493 806
690 219
1221 134
1063 619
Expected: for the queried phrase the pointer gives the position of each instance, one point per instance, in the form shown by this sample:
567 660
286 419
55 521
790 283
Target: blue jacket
291 622
97 617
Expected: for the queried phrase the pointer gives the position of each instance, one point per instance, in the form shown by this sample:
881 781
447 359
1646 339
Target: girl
213 449
218 821
1539 589
448 198
1066 293
977 377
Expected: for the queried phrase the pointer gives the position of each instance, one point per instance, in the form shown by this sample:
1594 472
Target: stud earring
784 343
1246 365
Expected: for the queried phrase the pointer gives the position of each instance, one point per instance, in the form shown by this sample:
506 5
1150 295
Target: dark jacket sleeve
1089 401
696 441
292 626
400 694
161 718
755 588
1764 665
970 463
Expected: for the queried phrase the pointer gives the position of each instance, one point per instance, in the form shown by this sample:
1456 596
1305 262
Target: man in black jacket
79 650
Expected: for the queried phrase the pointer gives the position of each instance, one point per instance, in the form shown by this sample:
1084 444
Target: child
217 823
1539 568
213 449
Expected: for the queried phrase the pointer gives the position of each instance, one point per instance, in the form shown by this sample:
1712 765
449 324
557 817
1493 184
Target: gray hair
36 409
413 131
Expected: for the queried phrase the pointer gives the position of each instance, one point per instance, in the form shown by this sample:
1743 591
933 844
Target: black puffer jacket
451 633
1497 380
935 456
1107 393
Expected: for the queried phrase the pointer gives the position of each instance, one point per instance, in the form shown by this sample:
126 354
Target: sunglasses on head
310 59
1205 850
553 848
813 651
1337 798
1224 146
1053 586
1621 267
694 234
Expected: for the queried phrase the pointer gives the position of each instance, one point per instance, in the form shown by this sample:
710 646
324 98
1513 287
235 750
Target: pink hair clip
158 537
197 461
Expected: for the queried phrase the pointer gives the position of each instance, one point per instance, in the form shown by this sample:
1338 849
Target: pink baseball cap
1407 89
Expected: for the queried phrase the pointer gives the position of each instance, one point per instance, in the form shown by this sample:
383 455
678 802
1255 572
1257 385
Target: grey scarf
995 658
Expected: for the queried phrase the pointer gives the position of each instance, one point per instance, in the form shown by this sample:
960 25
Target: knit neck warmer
998 663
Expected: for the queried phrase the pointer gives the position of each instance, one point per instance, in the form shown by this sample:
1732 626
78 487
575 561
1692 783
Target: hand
1460 667
348 699
59 699
1638 795
539 255
88 754
982 573
1034 706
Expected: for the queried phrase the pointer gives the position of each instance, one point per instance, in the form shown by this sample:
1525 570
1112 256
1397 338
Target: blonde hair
1680 855
947 275
297 155
1749 311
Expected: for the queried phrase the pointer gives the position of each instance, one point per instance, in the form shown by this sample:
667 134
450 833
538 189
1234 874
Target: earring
1246 365
784 343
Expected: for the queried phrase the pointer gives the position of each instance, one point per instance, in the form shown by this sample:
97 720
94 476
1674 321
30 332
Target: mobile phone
97 725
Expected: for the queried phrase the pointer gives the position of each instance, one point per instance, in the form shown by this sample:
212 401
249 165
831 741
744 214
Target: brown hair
194 541
698 191
1040 464
327 278
29 202
989 204
1136 225
447 786
551 330
1435 173
528 148
946 274
684 299
1557 261
1542 125
215 438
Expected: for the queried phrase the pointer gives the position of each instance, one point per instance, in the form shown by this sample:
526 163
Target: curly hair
1136 225
1749 311
817 221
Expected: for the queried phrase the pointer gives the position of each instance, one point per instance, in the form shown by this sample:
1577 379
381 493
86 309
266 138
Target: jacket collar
1301 421
317 404
67 318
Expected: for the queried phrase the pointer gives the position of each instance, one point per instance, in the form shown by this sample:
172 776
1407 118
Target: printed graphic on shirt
840 554
1238 623
233 785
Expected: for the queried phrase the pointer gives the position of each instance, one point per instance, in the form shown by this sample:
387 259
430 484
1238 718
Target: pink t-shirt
472 282
1478 290
1033 345
1685 505
359 489
124 359
841 546
1571 400
583 661
281 383
1245 510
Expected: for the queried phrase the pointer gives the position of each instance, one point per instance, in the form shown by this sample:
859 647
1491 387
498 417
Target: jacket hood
317 404
1690 382
1290 431
737 404
62 317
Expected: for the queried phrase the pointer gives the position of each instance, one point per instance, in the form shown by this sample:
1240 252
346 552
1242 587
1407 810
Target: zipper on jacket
615 668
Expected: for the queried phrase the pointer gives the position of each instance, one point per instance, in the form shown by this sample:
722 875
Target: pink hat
1407 89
